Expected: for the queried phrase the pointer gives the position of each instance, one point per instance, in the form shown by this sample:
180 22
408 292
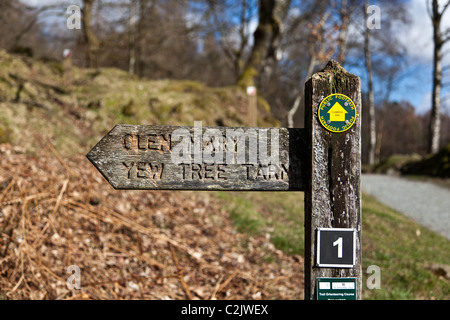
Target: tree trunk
435 121
299 98
141 40
92 42
316 51
382 118
267 40
238 62
132 38
344 13
372 120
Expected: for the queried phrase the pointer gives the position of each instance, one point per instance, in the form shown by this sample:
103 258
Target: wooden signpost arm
333 195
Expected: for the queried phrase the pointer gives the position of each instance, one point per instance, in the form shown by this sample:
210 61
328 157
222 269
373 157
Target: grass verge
402 249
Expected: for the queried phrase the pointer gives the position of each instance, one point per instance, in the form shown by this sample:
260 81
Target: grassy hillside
57 210
43 101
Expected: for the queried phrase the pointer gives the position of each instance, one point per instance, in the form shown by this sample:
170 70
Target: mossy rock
393 164
437 165
128 110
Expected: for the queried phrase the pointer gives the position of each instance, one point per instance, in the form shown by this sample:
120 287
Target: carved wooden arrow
202 158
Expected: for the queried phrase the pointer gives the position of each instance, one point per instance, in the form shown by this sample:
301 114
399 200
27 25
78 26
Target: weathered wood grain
333 194
140 158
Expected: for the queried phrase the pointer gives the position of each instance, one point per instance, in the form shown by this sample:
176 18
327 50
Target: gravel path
424 202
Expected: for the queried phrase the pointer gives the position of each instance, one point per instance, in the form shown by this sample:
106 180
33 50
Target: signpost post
323 160
333 196
252 110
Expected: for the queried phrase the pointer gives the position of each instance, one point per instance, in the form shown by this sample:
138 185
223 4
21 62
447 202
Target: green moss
128 110
247 77
192 87
394 163
184 86
6 134
56 67
437 165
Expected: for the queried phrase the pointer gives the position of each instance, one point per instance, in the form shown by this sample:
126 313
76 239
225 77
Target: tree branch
446 36
445 7
33 21
430 14
226 47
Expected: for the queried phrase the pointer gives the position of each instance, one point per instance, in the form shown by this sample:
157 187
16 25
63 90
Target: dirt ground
56 213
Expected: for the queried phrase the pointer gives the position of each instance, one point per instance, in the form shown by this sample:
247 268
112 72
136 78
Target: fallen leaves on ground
56 213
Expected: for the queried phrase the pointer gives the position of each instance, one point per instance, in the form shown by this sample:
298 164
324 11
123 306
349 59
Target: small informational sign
336 247
336 289
67 53
251 91
337 113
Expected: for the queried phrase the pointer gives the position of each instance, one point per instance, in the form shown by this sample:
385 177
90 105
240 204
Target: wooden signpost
324 163
143 157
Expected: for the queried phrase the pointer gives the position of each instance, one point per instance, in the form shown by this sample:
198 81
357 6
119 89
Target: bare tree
372 121
318 54
141 40
345 11
233 37
132 37
267 40
439 39
91 39
20 22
